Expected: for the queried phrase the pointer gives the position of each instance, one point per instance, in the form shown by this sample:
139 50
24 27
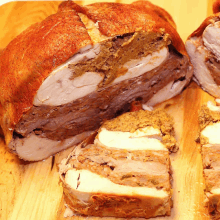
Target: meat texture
209 120
62 77
124 170
203 47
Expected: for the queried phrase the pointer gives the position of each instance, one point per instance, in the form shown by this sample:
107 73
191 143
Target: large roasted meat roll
124 171
62 77
203 47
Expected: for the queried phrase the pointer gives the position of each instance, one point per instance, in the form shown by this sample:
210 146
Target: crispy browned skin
159 11
118 19
216 7
31 56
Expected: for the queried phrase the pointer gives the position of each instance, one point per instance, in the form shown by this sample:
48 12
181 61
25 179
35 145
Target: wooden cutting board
32 191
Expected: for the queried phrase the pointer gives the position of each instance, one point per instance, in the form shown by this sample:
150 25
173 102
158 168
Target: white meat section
213 107
147 138
34 148
198 54
211 38
86 182
212 133
60 88
167 92
140 66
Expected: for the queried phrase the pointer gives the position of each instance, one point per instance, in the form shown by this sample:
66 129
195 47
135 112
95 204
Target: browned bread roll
62 77
125 170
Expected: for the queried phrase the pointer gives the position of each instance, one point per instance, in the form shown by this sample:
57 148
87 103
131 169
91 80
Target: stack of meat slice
209 120
124 171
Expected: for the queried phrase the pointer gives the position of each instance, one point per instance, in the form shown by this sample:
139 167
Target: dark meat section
89 112
214 66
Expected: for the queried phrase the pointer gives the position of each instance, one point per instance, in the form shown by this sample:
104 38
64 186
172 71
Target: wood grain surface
32 191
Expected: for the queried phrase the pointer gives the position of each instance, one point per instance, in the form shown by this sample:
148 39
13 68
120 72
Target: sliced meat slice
124 169
91 194
32 147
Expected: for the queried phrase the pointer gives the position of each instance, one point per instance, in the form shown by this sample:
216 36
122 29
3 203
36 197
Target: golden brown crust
117 19
31 56
216 7
158 10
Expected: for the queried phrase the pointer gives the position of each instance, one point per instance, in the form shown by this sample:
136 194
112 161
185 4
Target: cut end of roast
205 57
100 80
78 96
34 147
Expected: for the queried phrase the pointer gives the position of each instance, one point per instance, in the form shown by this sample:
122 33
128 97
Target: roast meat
62 77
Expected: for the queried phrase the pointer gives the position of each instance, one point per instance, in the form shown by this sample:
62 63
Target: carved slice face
87 183
205 57
61 87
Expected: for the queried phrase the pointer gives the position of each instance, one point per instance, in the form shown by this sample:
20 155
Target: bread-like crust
31 56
